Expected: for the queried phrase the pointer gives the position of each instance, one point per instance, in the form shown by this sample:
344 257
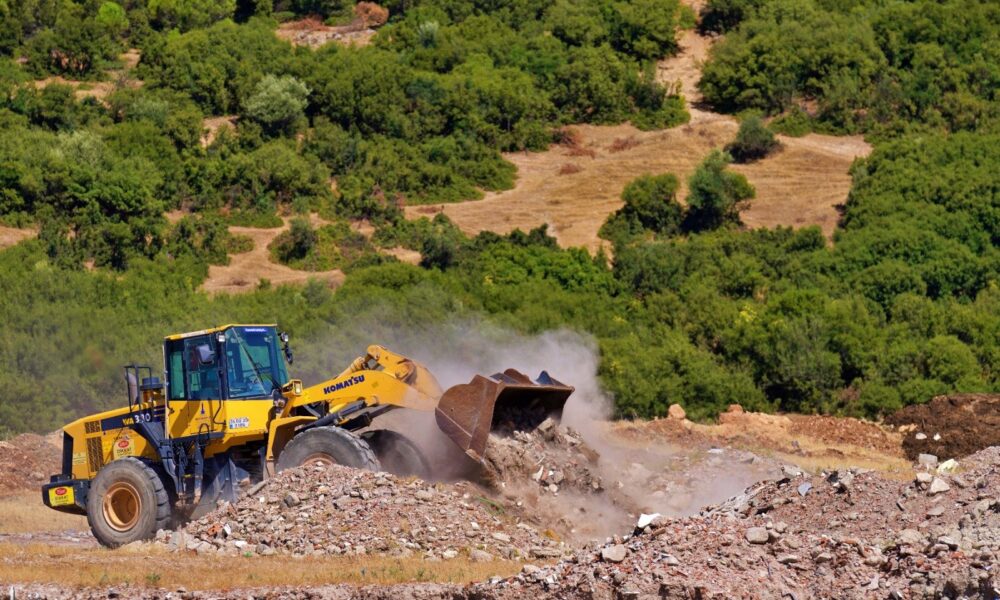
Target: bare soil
114 79
212 125
950 426
311 32
245 271
801 185
26 462
10 236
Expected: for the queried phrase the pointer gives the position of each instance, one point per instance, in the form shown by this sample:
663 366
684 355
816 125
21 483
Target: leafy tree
277 103
715 194
298 243
650 205
753 141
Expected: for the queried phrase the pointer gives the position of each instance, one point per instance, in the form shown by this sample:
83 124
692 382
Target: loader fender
280 432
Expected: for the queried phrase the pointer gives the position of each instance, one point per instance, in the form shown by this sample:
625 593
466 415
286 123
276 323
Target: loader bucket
468 412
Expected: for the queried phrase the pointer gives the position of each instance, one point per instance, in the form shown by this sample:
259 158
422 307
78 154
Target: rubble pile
335 510
26 461
849 534
552 456
949 426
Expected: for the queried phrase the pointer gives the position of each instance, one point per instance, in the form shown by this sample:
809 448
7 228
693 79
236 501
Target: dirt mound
950 426
26 462
849 534
335 510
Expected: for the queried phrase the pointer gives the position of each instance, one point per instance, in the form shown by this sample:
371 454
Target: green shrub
715 195
753 141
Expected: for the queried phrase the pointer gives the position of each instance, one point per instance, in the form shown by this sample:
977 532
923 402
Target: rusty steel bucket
468 412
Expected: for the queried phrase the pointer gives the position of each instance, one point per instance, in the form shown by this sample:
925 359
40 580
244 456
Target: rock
546 425
670 560
291 500
938 486
500 537
539 552
921 436
924 477
423 495
948 466
823 557
478 555
530 569
804 488
615 553
676 412
757 535
937 511
790 471
911 537
735 409
646 520
787 559
927 460
449 554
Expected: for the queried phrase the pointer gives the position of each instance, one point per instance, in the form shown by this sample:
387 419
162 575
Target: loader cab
234 362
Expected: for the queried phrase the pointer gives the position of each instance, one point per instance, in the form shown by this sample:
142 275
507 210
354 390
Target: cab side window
175 364
202 369
194 369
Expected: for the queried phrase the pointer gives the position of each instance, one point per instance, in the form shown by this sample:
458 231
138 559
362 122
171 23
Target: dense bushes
692 309
881 66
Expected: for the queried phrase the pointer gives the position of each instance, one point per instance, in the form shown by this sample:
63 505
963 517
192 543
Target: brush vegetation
904 304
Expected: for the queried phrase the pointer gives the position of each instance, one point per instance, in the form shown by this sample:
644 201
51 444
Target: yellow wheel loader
226 415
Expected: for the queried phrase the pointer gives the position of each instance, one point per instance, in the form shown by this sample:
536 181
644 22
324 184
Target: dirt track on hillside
245 271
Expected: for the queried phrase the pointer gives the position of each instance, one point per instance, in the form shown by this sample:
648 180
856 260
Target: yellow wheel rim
122 506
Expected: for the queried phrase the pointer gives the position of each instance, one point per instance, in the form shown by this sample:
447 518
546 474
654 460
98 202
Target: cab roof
181 336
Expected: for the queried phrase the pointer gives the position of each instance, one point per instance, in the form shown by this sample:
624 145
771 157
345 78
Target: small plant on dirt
753 141
153 578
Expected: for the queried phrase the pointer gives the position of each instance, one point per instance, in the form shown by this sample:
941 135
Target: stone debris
846 538
335 510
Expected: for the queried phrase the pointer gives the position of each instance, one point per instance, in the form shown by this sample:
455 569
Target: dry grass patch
623 144
25 513
569 169
153 567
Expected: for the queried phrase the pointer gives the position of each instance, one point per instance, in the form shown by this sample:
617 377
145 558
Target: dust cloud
639 475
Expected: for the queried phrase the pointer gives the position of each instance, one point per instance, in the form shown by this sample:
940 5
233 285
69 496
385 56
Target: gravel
335 510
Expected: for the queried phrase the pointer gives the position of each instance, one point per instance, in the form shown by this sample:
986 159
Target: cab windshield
254 363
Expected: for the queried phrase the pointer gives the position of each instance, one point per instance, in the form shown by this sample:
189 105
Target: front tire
127 503
328 445
397 453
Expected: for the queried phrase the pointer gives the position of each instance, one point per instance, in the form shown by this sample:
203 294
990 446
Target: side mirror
285 347
206 355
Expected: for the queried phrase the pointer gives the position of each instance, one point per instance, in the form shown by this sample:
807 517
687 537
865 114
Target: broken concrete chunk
615 553
938 486
757 535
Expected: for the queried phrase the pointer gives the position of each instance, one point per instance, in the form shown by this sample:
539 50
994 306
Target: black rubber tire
338 445
397 453
154 506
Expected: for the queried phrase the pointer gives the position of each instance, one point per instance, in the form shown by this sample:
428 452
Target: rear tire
328 445
397 453
127 503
